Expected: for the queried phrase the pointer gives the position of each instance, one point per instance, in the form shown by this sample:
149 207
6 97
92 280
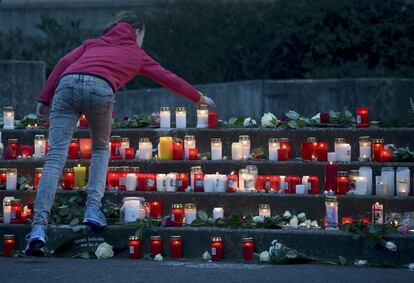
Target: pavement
121 270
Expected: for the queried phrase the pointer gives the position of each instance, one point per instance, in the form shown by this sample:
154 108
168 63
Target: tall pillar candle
244 141
273 147
364 148
166 146
388 177
145 149
39 146
8 118
11 179
189 142
161 182
165 117
180 118
236 151
80 176
202 116
330 174
216 149
403 181
366 172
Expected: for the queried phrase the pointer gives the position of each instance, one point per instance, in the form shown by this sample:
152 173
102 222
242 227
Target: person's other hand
42 112
211 105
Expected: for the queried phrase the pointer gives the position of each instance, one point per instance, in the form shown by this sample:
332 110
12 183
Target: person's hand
42 112
211 105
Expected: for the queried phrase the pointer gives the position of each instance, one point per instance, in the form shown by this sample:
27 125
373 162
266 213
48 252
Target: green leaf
292 254
202 215
74 222
292 124
63 210
292 115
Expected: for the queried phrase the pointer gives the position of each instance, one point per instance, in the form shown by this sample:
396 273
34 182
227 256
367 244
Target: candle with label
16 211
180 118
73 152
292 182
194 170
134 245
313 189
342 183
264 210
244 141
39 146
342 150
377 213
216 149
145 149
166 148
8 118
377 147
198 182
171 182
7 209
273 147
176 247
190 213
155 245
124 145
202 116
177 214
80 176
331 204
212 120
165 117
365 148
11 179
308 149
161 182
150 184
236 151
216 246
68 178
232 183
182 182
362 117
246 181
115 147
189 142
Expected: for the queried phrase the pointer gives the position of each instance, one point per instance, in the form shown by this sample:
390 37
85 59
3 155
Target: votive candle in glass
129 153
190 213
38 175
198 182
377 147
377 213
155 210
155 245
330 174
165 117
273 147
180 118
85 148
145 149
11 179
134 245
25 151
124 145
112 180
189 142
68 178
14 144
346 220
342 182
365 148
362 117
244 141
182 182
177 214
177 149
308 149
388 178
313 189
331 204
73 152
232 183
39 146
403 188
171 182
212 120
216 149
16 211
322 151
131 182
342 150
366 172
161 182
176 247
361 187
292 181
236 151
218 212
193 154
248 248
8 118
286 146
3 175
385 155
216 246
150 182
202 116
83 122
9 242
115 147
264 210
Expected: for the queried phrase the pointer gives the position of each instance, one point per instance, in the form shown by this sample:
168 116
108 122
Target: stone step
63 240
259 137
247 203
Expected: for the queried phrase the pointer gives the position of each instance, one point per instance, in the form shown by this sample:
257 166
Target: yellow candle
166 145
80 176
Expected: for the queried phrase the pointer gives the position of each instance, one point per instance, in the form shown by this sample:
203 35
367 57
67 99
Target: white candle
202 116
301 189
361 186
342 150
388 177
131 182
216 149
364 149
236 151
171 182
180 118
283 184
242 175
331 157
124 144
209 183
195 169
331 204
165 118
218 212
145 149
39 146
244 141
403 181
190 213
305 182
11 179
8 118
161 182
273 147
377 213
133 210
7 209
221 181
264 210
189 142
366 172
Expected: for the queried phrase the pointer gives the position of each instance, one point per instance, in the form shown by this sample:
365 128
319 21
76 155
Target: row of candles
360 182
14 212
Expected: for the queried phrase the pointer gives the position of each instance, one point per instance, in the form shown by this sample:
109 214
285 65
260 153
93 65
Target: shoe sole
95 225
35 248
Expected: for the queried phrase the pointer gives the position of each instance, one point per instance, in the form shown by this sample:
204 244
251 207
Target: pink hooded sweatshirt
116 58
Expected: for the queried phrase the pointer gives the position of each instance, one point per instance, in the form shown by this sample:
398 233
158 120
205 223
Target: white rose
206 256
294 222
391 246
104 251
317 118
271 249
258 219
302 216
158 257
411 266
314 223
274 242
248 122
287 214
264 256
360 262
269 120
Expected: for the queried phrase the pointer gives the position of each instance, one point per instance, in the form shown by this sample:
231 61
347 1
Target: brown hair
128 17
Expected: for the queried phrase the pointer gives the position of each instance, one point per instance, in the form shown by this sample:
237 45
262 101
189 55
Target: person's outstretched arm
153 70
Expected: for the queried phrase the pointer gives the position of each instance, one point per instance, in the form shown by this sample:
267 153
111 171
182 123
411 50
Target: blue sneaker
94 218
36 241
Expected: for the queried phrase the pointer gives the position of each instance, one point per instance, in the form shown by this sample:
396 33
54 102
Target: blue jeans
76 94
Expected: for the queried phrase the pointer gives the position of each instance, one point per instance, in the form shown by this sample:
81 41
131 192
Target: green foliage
215 41
68 210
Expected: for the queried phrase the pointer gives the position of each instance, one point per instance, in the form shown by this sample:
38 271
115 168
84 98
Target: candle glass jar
202 116
16 211
182 182
155 211
353 175
134 245
189 142
73 152
3 175
377 147
199 182
216 246
377 213
264 210
232 183
165 117
68 179
190 213
11 179
194 169
331 204
113 177
248 248
364 148
180 118
286 146
85 148
155 245
150 182
38 175
385 155
244 141
115 147
362 117
176 247
83 122
124 145
342 183
403 188
9 242
39 146
216 149
14 145
342 150
273 146
322 151
313 189
122 173
177 149
292 181
308 149
132 209
177 214
8 118
145 149
193 154
212 120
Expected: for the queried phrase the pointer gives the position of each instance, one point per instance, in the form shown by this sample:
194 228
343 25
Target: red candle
282 154
342 183
377 147
83 123
292 181
248 248
199 182
216 246
362 117
177 149
46 147
284 143
193 154
112 178
26 150
73 152
122 173
232 183
182 182
150 182
115 147
330 174
155 209
3 175
140 181
260 180
129 153
16 211
314 185
322 151
14 144
9 241
38 174
385 155
177 214
212 120
309 149
176 246
155 245
134 245
364 220
68 179
85 145
346 220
